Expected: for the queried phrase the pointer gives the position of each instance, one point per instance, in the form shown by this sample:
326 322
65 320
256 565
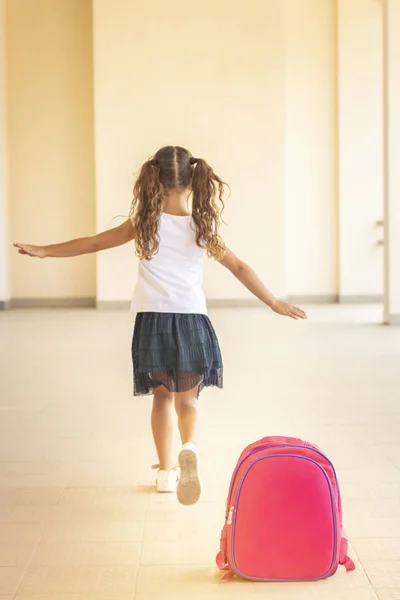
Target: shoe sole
189 487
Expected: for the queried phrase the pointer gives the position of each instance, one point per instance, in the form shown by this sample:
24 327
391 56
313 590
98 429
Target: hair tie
194 161
153 162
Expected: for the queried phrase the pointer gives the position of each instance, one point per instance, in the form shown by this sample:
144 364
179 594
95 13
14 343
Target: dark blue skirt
177 351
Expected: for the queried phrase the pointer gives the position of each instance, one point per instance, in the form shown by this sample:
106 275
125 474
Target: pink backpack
284 515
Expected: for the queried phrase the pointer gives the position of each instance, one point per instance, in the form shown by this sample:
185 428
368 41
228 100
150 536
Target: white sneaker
189 486
167 481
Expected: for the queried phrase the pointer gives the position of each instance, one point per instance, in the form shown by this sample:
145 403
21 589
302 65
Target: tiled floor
78 516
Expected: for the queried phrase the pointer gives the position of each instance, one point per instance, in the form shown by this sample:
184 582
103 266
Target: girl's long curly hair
174 168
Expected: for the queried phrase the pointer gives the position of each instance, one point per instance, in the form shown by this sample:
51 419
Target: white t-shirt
172 281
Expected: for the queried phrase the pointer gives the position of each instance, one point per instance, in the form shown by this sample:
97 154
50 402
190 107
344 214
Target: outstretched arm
103 241
252 282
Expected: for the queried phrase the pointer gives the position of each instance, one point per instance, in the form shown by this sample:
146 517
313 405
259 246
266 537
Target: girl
175 350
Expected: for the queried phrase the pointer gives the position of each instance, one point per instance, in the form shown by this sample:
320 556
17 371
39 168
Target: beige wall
51 166
360 147
207 75
311 228
4 249
251 86
392 109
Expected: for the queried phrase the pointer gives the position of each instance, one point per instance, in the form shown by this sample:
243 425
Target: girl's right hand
34 251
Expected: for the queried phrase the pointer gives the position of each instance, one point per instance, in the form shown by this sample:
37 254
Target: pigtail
174 168
146 208
208 204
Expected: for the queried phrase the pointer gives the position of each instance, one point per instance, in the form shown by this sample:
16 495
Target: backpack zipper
289 446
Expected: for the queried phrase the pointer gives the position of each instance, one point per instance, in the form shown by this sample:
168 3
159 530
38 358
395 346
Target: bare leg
189 486
186 409
162 426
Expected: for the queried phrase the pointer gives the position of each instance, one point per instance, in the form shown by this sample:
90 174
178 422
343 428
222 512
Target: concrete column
359 31
391 94
4 244
311 269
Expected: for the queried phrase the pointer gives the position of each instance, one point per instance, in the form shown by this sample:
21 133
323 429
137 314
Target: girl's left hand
288 310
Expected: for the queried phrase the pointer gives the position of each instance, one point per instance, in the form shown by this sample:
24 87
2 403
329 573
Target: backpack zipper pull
230 515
